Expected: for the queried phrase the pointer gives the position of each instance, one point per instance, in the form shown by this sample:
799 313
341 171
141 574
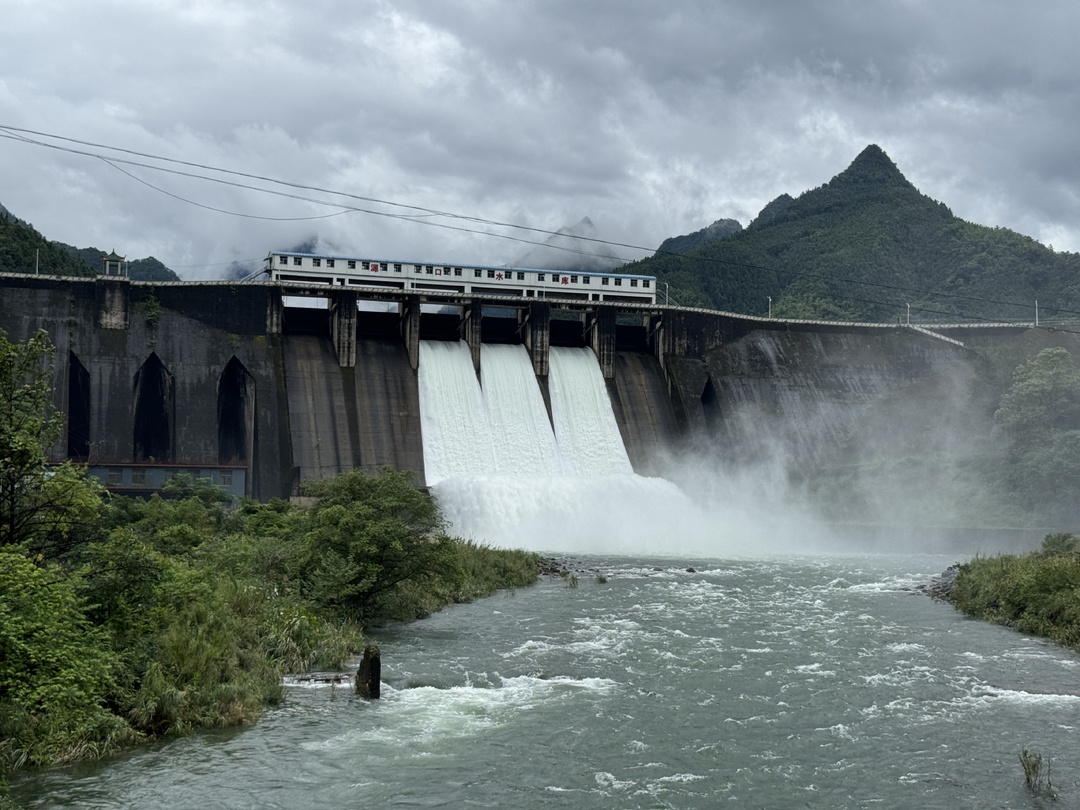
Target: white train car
524 282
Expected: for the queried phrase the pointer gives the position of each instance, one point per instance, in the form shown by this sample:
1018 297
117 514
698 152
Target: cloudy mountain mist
568 249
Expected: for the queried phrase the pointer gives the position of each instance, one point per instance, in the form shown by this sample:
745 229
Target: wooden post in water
369 673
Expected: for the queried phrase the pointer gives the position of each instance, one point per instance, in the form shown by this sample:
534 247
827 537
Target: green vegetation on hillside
24 250
863 247
126 619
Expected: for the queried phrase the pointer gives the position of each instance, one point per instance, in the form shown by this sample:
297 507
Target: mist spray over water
504 476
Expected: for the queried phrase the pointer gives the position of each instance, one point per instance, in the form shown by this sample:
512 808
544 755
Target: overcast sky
651 117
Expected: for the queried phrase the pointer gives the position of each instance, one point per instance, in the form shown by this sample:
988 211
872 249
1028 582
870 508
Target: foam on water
734 684
612 514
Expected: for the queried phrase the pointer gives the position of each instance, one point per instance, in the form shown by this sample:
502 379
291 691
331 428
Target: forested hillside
24 250
863 247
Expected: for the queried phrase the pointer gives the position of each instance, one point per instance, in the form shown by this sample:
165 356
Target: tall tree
42 506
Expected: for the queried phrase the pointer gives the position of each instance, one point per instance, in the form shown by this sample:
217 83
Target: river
776 682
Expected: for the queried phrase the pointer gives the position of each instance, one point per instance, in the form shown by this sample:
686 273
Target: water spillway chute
504 475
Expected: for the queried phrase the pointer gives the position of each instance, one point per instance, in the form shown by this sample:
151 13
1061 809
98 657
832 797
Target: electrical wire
423 213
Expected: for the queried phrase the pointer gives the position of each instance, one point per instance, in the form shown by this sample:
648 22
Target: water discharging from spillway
503 476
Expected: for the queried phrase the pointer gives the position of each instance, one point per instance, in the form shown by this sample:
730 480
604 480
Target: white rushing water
456 433
503 476
588 434
768 683
521 433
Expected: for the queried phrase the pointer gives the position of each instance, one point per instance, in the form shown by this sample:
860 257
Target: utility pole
1036 313
909 314
770 305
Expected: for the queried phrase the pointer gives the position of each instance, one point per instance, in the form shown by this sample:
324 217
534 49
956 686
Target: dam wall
214 373
201 385
365 417
808 392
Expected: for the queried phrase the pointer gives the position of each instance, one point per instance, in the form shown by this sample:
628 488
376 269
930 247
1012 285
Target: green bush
126 619
1037 593
55 670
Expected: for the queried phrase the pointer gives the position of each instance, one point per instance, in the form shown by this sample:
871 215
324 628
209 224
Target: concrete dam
235 382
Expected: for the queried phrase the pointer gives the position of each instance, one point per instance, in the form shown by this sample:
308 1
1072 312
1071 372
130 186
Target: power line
419 218
423 213
167 193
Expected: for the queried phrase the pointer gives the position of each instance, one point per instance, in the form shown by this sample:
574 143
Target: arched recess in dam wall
144 380
237 386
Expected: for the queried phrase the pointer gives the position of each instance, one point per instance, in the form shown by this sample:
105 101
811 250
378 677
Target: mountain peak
872 167
570 248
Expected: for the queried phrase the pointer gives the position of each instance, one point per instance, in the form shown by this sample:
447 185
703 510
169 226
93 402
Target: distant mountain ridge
567 250
24 250
863 247
721 229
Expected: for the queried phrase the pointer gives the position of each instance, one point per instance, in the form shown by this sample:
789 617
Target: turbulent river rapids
777 683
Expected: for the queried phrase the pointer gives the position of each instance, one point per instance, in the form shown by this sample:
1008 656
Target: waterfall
521 433
502 476
457 435
588 434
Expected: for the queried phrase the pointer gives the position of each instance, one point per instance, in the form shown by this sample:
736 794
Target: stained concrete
643 410
679 376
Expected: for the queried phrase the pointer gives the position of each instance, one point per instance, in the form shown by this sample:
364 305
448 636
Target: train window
397 267
633 282
645 283
457 271
316 262
604 281
618 282
521 276
329 262
352 264
491 274
297 261
540 277
477 273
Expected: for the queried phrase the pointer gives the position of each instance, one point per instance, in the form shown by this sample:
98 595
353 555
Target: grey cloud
652 118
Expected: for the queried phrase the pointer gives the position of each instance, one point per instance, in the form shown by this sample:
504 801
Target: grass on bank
177 613
1036 593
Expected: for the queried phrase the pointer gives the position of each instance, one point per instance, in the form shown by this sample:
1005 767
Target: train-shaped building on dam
523 282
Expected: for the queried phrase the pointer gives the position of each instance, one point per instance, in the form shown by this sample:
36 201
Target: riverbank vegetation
1036 593
124 620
